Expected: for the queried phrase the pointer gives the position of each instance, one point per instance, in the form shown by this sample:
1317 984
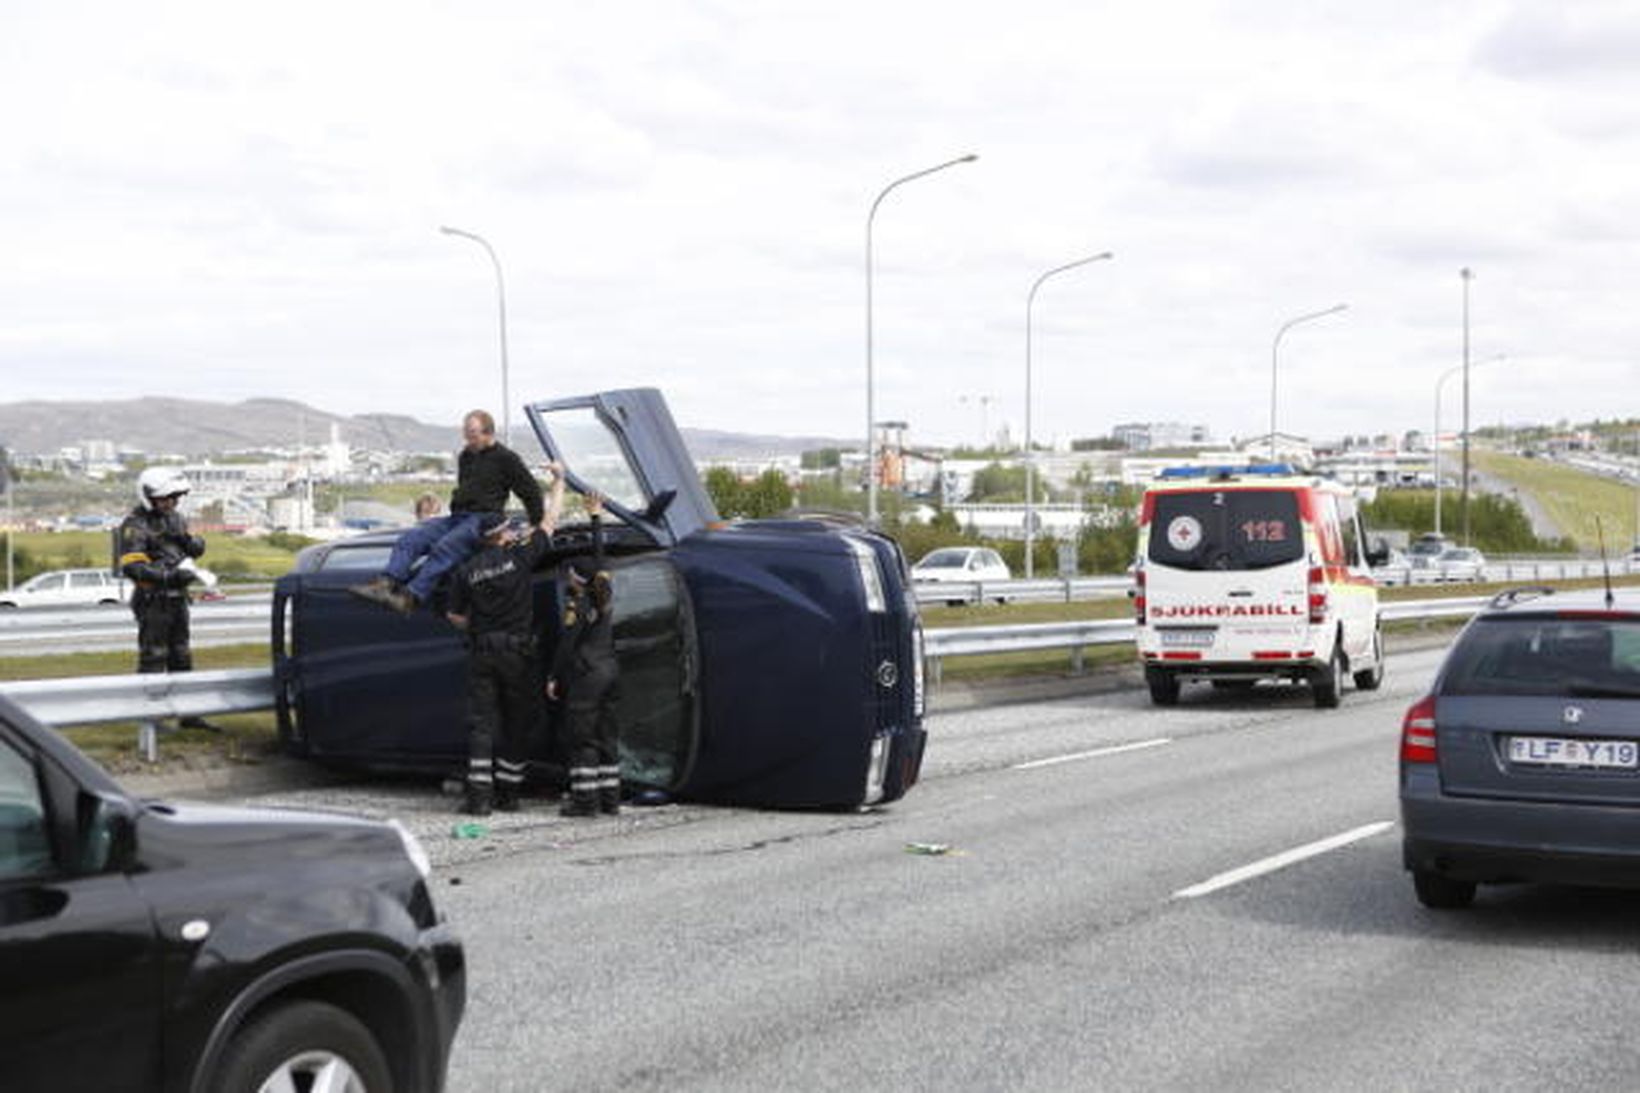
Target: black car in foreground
152 946
1523 761
763 662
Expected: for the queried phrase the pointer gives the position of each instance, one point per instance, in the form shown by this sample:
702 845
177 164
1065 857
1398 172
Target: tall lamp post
1275 348
1467 275
1435 438
871 385
1030 455
501 297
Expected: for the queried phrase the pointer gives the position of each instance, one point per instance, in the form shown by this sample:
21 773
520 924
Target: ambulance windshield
1226 529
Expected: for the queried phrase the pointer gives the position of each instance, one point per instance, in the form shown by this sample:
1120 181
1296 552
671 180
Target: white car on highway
961 565
68 588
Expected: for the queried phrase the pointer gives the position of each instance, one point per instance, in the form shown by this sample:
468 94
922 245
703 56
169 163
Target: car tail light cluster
1139 596
1318 595
1418 732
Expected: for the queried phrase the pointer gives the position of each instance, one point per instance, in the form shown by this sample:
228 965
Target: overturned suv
762 662
193 949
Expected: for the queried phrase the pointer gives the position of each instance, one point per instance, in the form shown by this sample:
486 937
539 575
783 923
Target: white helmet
157 482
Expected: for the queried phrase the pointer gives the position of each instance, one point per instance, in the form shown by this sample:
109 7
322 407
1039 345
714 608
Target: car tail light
1318 595
1139 596
1418 732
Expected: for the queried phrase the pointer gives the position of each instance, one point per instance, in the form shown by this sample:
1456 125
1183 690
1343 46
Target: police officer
584 674
491 599
156 554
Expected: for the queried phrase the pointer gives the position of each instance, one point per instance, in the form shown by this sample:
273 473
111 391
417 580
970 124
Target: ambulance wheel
1373 678
1164 687
1328 683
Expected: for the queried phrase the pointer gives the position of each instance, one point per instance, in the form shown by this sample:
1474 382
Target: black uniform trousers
594 734
501 704
162 630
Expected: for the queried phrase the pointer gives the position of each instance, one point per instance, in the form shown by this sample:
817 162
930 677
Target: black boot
580 804
478 801
506 797
609 802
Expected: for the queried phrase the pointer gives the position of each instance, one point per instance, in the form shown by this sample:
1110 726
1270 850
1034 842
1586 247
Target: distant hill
194 427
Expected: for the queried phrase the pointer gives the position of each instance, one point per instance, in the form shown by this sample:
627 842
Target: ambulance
1253 573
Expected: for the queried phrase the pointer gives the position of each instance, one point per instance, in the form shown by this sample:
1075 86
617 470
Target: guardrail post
148 740
932 664
1077 663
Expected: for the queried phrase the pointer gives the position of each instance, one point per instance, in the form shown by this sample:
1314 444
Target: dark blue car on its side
767 662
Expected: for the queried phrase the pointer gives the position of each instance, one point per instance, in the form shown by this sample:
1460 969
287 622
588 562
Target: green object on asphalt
927 848
470 830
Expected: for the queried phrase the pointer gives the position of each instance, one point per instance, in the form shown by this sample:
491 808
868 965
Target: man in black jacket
492 600
156 554
584 675
486 472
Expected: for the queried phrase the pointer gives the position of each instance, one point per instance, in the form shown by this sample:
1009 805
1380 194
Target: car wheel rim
314 1072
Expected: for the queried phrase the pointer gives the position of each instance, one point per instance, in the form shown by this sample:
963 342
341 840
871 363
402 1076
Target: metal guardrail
146 699
96 629
1042 590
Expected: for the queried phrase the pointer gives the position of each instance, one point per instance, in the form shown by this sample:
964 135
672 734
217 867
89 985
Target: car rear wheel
1164 687
304 1045
1442 893
1328 684
1373 678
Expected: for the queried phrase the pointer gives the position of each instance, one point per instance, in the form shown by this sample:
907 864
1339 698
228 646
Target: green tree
723 486
767 495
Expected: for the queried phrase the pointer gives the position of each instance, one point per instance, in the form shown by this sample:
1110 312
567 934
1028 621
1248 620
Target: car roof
1533 599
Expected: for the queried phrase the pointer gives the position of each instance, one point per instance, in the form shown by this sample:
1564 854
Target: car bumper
1488 840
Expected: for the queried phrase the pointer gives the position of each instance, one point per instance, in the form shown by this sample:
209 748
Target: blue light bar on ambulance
1227 471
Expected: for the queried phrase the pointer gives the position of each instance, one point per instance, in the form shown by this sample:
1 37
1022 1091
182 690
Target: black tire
1440 893
296 1039
1373 678
1164 687
1327 685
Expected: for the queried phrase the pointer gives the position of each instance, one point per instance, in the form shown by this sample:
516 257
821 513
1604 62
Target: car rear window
944 559
1547 655
1226 529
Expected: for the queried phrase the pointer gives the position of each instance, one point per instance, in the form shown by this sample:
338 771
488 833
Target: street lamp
1030 456
1275 347
1467 275
1435 439
501 297
871 390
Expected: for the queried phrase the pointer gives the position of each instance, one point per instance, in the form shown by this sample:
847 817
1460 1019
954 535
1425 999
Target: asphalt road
1105 918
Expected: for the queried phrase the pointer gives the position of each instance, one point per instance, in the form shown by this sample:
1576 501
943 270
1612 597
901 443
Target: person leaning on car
156 554
486 472
492 601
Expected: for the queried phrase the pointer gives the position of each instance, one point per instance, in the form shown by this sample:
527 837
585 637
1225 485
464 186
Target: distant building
1151 436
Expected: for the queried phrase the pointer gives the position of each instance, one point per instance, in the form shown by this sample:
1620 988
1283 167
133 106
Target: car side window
25 848
85 580
50 583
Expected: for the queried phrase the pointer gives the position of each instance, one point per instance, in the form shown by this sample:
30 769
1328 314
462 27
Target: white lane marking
1115 749
1282 860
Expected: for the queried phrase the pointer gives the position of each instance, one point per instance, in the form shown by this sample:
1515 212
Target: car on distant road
961 565
1522 763
1426 548
1459 564
147 945
68 588
1394 568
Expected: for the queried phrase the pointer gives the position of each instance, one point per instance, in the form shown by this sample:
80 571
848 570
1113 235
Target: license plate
1186 639
1555 751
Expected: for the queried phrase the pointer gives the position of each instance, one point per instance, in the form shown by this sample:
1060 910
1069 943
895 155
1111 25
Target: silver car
1523 761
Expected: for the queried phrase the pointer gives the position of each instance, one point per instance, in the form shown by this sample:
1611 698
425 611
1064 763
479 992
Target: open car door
625 446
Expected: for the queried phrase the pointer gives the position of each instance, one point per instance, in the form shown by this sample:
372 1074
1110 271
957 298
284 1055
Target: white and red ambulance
1250 573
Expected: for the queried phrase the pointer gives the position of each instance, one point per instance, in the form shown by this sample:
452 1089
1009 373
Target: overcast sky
228 201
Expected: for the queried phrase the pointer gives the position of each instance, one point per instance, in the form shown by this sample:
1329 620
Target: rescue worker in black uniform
584 676
492 600
156 554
